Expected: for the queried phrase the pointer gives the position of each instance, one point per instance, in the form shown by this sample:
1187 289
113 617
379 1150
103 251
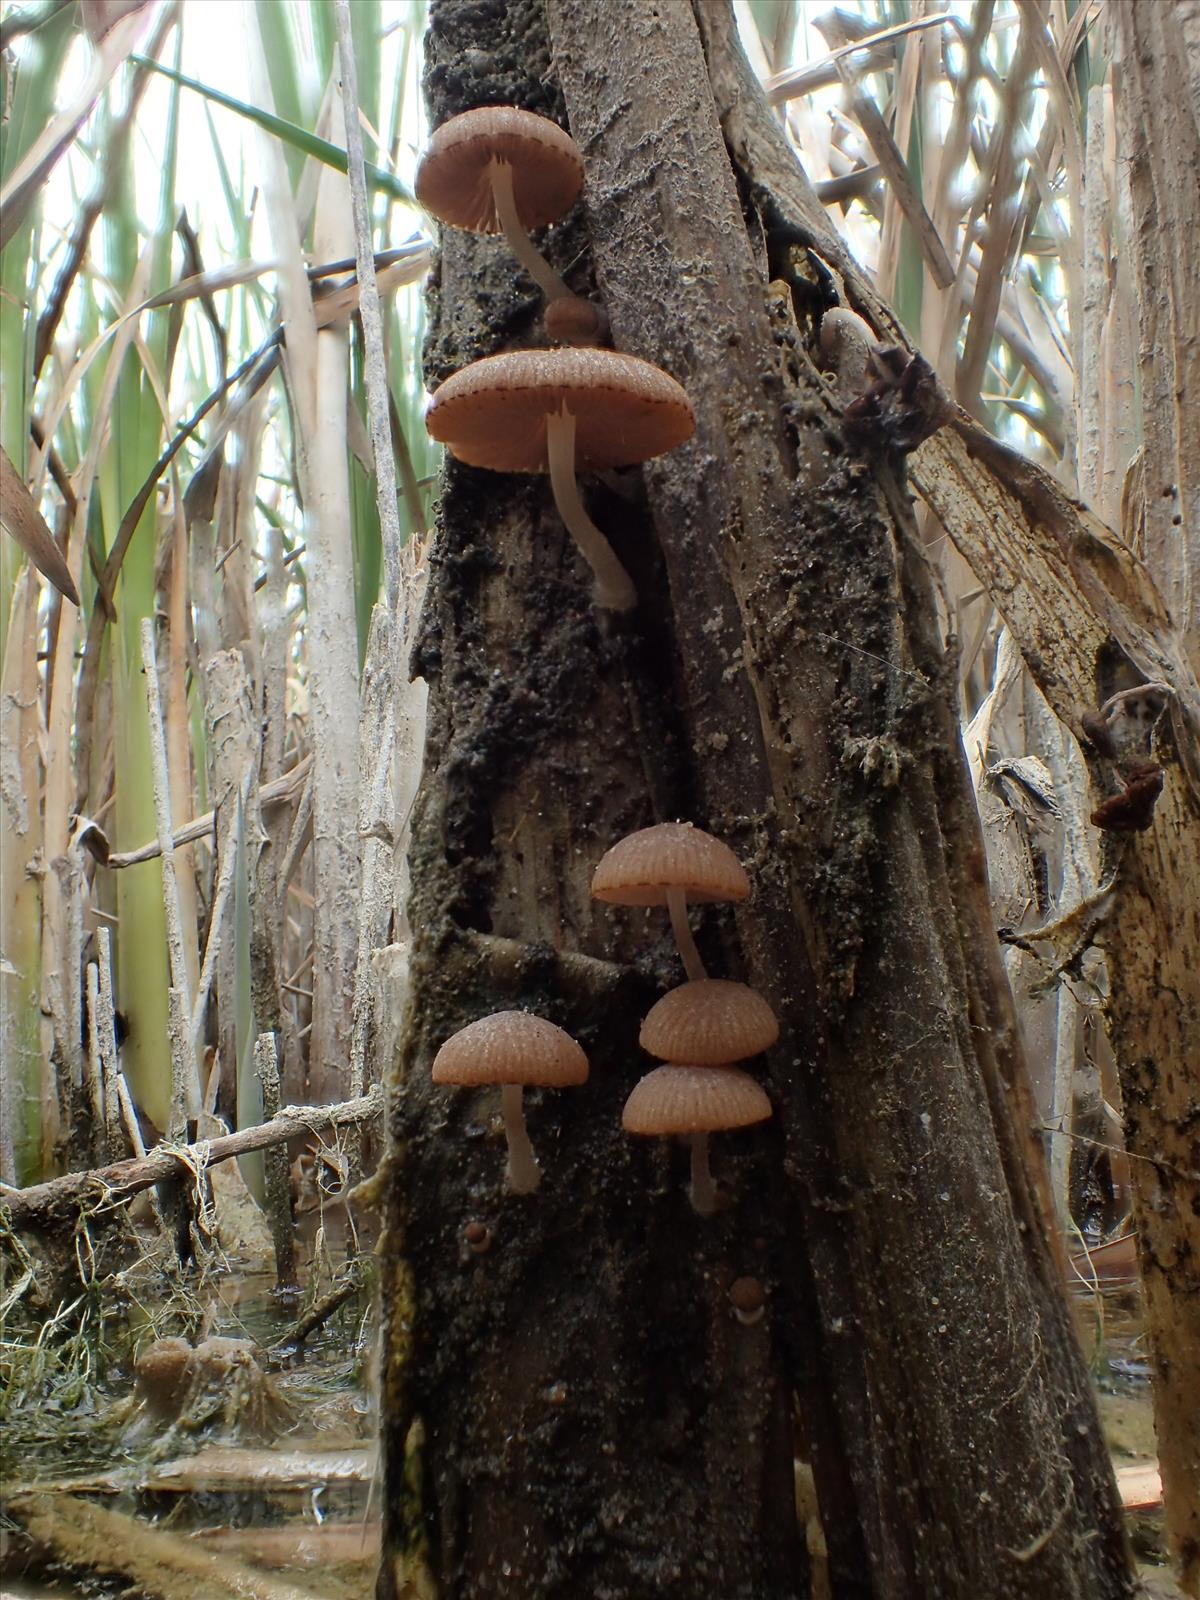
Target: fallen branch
88 1538
46 1204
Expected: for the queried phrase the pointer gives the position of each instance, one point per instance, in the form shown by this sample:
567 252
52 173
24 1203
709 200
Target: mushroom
695 1101
748 1299
564 411
512 1049
164 1371
847 344
499 169
709 1022
671 864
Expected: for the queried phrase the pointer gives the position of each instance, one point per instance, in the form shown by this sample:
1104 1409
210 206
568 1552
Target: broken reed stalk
46 1204
275 1161
377 743
105 1033
129 1117
185 1087
65 987
93 1066
227 856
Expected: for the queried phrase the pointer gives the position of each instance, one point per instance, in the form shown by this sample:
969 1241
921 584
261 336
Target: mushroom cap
685 1099
163 1371
639 868
452 180
511 1047
709 1022
493 412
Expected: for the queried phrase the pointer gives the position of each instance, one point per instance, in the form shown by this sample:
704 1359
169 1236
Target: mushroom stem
677 906
703 1192
523 1172
614 586
522 246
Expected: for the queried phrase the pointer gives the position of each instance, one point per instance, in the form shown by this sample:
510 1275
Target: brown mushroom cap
163 1370
452 180
640 868
511 1047
679 1099
493 412
709 1022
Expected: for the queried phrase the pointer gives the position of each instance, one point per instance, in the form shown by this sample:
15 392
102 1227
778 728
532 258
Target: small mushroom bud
477 1237
847 344
164 1370
574 320
748 1299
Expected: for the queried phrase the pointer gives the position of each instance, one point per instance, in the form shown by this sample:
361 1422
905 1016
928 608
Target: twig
321 1310
185 1085
45 1204
279 789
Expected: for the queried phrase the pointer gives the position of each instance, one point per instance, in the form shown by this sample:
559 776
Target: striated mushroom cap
684 1099
511 1047
493 412
709 1022
452 180
640 868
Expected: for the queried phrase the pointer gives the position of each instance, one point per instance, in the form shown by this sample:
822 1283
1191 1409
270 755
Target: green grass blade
331 155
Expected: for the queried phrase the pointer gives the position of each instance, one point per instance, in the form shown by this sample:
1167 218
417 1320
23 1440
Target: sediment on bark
576 1409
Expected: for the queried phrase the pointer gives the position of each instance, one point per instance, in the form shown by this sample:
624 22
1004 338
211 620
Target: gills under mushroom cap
642 867
511 1047
709 1023
493 413
686 1099
453 182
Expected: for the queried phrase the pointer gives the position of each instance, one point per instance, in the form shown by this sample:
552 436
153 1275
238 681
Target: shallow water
302 1508
296 1506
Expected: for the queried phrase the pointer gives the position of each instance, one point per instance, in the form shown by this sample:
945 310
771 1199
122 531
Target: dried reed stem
275 1160
94 1067
375 369
105 1034
185 1086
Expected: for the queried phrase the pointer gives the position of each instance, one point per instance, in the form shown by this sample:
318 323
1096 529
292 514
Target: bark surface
1153 936
576 1410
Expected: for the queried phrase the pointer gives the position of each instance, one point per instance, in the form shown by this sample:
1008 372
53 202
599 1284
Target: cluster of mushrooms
565 410
568 409
700 1029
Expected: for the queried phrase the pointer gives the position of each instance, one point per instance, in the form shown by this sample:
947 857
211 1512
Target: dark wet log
57 1202
577 1409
